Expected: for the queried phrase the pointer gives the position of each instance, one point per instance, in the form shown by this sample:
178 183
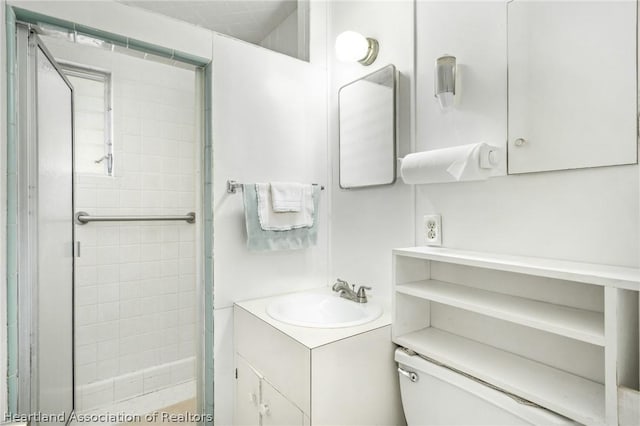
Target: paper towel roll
459 163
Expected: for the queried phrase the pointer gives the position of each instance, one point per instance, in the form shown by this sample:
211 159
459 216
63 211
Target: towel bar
233 186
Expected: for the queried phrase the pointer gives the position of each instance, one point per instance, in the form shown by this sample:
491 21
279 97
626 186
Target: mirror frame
394 156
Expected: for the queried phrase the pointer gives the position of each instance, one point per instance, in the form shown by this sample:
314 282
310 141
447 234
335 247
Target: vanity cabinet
259 403
289 375
563 335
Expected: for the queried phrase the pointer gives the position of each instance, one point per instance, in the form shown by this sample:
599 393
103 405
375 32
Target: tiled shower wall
135 281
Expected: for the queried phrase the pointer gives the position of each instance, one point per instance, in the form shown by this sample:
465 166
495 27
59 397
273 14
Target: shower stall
109 205
134 315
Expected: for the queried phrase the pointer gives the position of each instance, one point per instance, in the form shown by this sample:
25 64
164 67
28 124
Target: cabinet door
276 410
247 394
572 84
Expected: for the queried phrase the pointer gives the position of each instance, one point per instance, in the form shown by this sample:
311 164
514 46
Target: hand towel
287 196
260 240
273 221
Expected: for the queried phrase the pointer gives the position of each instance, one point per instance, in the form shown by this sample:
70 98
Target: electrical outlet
433 229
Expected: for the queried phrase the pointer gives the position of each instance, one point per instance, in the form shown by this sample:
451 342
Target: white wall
317 33
135 297
268 125
587 215
284 38
367 223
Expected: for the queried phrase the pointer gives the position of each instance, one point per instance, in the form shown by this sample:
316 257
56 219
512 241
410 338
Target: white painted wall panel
269 124
587 215
367 223
284 37
475 33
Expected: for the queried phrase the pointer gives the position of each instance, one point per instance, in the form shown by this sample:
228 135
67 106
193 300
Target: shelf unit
612 326
579 324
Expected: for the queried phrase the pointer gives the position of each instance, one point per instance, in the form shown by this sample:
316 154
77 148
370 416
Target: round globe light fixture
354 47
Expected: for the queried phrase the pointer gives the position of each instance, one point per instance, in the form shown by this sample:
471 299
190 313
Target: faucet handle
362 293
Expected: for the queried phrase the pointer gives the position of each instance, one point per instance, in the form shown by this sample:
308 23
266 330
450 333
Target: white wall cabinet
289 375
572 84
563 335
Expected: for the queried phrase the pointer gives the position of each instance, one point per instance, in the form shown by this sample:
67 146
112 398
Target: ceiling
249 20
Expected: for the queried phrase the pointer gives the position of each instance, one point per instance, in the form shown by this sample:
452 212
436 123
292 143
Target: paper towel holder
489 157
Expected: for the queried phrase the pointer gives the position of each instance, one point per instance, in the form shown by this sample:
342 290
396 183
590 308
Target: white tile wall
135 297
111 390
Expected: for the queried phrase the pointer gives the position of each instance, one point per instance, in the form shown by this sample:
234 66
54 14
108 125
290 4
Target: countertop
314 337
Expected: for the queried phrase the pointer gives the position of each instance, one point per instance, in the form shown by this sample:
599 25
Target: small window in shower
92 119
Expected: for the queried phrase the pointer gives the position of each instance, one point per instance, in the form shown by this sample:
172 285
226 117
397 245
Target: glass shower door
46 234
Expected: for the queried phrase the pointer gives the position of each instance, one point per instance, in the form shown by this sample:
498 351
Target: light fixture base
372 53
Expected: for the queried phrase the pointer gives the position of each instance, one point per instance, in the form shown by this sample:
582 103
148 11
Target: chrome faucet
343 289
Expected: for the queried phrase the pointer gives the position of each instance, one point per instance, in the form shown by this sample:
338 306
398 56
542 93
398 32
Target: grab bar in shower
82 218
233 186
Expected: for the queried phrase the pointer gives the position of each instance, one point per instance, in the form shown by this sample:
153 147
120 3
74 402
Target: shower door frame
29 44
204 293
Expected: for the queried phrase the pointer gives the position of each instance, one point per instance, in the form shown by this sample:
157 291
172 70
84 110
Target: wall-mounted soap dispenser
445 80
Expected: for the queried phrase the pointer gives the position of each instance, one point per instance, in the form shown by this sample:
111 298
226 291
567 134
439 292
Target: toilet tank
441 396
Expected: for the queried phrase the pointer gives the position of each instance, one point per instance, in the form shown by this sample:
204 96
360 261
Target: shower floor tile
177 400
179 409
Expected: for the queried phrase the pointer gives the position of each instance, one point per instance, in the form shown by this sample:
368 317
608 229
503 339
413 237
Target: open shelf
579 324
588 273
567 394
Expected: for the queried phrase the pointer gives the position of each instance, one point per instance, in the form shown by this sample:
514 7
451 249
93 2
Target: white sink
322 310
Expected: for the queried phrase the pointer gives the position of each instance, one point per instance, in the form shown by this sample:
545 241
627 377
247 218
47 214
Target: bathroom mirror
367 114
572 84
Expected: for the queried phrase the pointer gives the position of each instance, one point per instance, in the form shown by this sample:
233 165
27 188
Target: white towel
285 221
286 196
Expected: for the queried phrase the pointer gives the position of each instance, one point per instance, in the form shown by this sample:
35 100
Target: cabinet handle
520 142
253 398
264 410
